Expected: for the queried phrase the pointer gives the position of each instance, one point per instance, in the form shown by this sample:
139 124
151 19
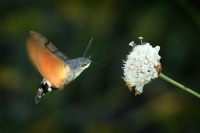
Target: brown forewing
48 59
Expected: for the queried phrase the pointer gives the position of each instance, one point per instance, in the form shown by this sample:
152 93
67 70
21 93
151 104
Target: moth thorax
77 66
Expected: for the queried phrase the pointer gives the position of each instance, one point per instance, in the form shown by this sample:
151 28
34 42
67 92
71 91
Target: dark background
98 101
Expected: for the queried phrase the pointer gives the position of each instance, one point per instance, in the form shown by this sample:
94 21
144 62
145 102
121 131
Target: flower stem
179 85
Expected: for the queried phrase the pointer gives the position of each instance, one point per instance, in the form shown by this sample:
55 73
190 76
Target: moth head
84 63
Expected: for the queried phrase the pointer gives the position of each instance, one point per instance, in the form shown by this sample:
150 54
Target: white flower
141 66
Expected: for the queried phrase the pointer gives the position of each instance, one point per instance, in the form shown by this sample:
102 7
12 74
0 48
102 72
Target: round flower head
141 66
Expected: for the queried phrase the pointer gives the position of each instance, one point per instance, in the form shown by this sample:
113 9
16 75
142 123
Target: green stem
179 85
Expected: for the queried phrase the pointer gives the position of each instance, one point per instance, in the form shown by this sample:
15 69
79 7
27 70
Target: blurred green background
98 101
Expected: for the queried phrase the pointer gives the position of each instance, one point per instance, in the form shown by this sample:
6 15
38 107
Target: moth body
56 68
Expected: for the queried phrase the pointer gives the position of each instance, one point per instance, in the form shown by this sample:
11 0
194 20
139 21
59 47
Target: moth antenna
88 46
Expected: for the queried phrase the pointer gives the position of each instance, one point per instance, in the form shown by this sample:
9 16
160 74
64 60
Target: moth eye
83 65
